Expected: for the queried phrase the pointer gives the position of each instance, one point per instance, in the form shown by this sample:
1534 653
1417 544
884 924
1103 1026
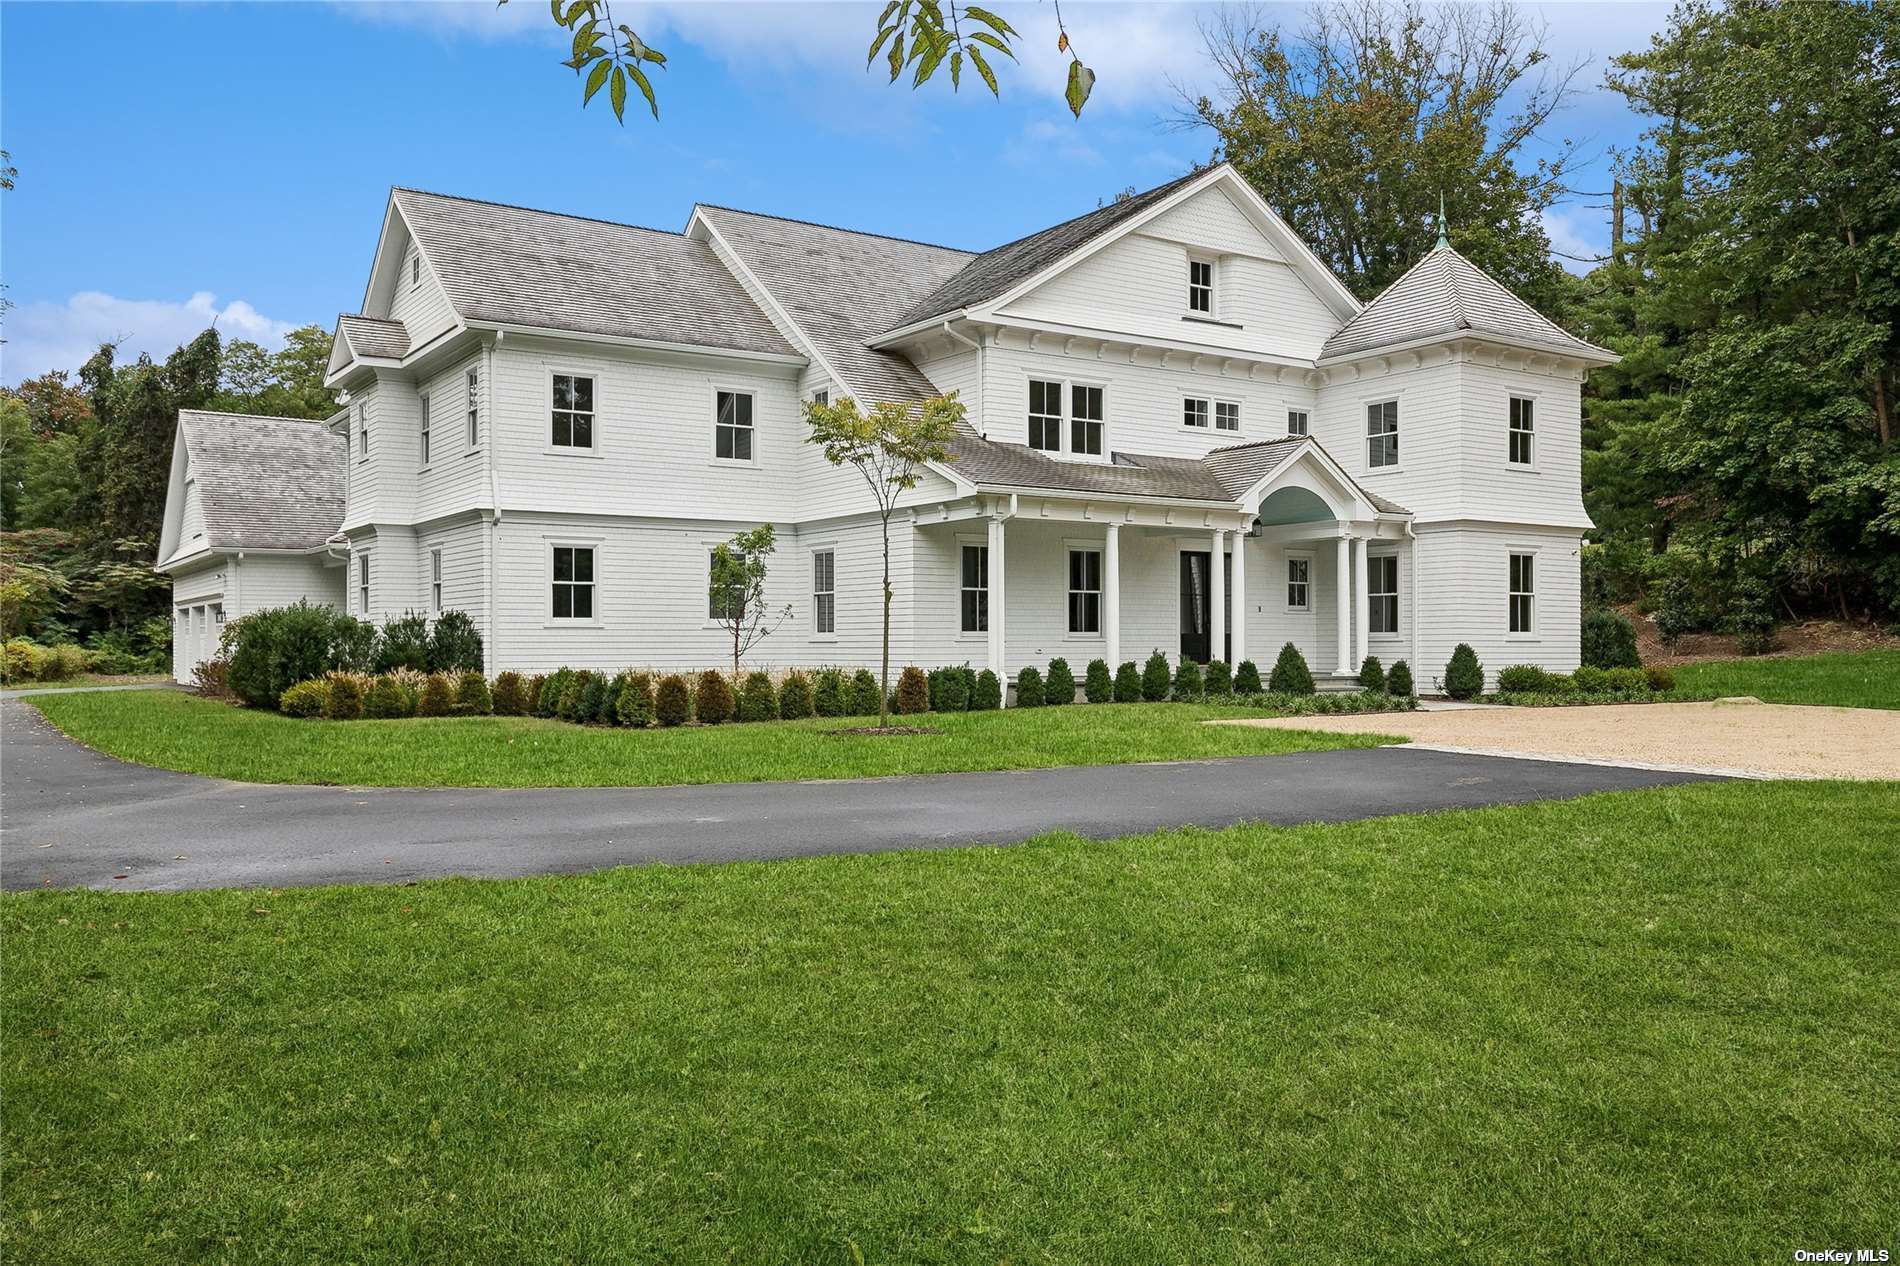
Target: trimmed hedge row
268 652
1587 681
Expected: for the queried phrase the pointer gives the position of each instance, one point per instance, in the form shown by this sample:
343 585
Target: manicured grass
92 679
1844 679
174 730
1657 1026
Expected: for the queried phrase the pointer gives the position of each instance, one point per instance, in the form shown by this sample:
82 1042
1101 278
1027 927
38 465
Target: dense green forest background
1739 462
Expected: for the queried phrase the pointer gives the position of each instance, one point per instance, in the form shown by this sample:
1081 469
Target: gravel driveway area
1764 739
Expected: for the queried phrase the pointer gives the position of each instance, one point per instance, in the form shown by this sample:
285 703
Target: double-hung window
573 411
1045 415
1201 286
1299 576
1085 591
1085 420
1522 435
362 584
976 589
1296 421
573 595
1382 587
472 401
423 448
1382 434
1226 415
824 591
1523 593
1194 411
435 579
732 426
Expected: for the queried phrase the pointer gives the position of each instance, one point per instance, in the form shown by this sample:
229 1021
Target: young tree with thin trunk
737 592
889 446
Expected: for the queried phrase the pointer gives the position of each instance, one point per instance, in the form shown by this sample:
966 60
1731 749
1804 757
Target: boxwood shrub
345 701
1608 640
913 692
758 701
1290 675
1188 685
1523 677
712 698
1059 686
1372 675
1399 680
1464 675
510 695
1128 683
634 704
437 698
1097 685
794 697
1247 678
861 697
1220 679
828 692
472 697
988 695
386 699
1029 687
673 700
305 699
1157 678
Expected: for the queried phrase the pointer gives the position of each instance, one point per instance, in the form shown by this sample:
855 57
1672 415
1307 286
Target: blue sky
231 160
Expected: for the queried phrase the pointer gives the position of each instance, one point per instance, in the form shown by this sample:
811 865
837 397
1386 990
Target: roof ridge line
252 417
516 206
1278 439
838 228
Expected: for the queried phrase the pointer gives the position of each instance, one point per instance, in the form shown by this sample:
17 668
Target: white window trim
549 544
1240 417
1306 422
817 547
1065 414
1212 312
1398 591
365 582
435 579
1537 408
547 414
1365 438
1099 547
712 429
425 432
1535 634
472 411
971 538
1213 404
1286 581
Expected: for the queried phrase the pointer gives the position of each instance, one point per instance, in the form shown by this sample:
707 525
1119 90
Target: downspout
978 349
489 538
1412 536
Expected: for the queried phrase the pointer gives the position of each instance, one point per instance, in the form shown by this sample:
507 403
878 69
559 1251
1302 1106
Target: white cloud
1578 236
43 336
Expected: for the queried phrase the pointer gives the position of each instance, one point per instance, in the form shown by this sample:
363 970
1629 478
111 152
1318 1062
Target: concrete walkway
1743 738
70 816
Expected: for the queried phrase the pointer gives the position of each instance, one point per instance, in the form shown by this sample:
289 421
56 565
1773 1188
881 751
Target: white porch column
1361 602
997 630
1217 599
1342 601
1238 651
1112 595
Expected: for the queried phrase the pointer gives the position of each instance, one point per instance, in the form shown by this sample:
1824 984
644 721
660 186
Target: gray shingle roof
841 288
512 266
1239 467
996 271
1445 293
263 482
373 336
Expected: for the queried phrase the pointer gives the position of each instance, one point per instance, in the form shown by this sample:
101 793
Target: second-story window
732 426
1296 421
1382 434
362 433
473 408
1201 286
1045 415
1085 420
424 433
1194 412
1522 436
1226 415
573 411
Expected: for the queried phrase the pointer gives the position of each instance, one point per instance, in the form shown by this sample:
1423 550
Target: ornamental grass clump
1059 686
1399 681
1128 683
988 695
386 699
1188 685
862 698
437 697
794 697
1220 679
1247 678
634 704
1097 685
713 703
472 696
913 692
510 695
1157 678
1029 687
673 701
757 700
1290 674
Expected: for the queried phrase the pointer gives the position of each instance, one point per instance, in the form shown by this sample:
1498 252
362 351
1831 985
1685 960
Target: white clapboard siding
1463 585
1430 477
456 477
1550 490
421 305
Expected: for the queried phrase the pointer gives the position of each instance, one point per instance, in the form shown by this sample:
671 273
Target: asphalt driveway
71 817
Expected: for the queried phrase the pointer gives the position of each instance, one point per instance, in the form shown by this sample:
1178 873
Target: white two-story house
1182 433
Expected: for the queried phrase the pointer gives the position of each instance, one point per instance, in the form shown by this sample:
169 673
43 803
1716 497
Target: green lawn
1856 679
174 730
85 680
1658 1026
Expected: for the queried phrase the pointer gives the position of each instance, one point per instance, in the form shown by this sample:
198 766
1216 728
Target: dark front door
1197 602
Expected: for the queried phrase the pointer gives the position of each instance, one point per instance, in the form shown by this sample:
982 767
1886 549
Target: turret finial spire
1444 243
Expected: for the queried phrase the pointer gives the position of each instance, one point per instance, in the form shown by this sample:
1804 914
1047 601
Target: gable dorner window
824 591
573 585
415 270
1201 286
732 426
1299 575
1226 415
1085 591
1523 593
573 415
1382 587
435 579
1194 411
976 589
1522 435
473 409
1296 422
1382 434
424 447
1045 415
1085 420
362 433
821 397
362 583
